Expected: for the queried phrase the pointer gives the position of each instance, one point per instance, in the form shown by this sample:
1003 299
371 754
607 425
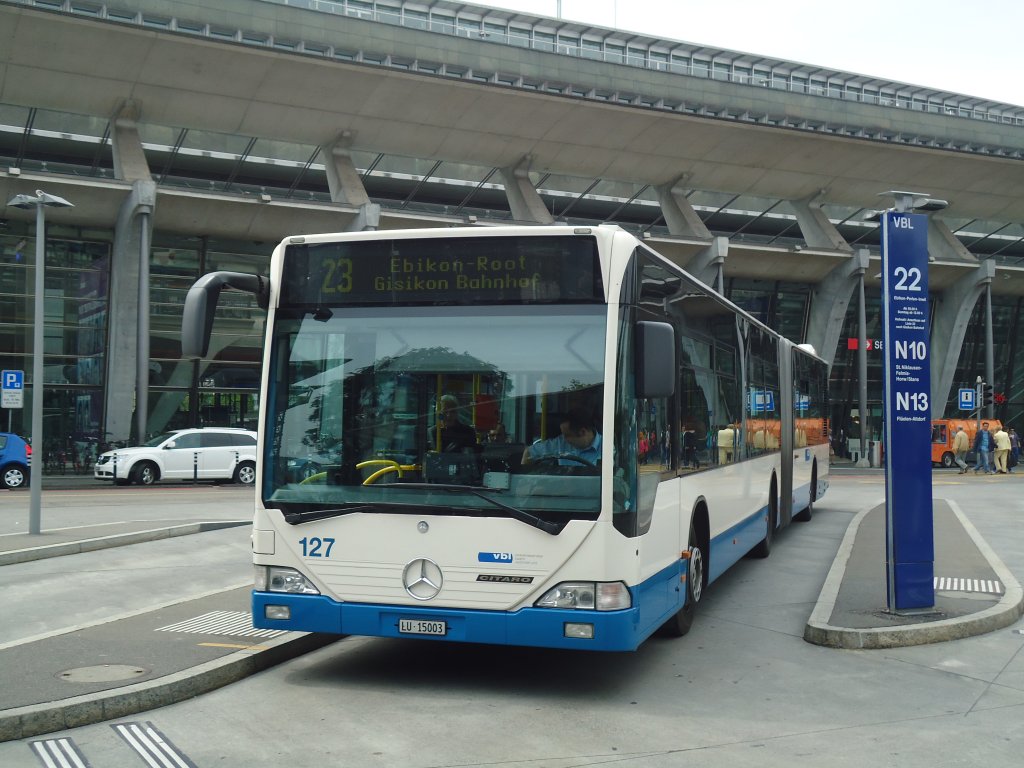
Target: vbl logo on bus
494 557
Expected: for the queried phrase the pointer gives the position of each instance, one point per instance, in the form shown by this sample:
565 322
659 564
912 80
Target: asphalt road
742 689
88 502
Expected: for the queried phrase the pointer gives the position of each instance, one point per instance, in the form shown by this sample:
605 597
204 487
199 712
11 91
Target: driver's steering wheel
555 458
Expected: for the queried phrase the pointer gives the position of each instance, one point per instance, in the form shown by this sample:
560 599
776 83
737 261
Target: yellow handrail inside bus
390 465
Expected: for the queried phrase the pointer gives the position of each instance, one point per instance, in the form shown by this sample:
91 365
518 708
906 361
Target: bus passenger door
661 546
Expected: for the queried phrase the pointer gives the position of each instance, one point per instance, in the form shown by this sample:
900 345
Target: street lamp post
39 201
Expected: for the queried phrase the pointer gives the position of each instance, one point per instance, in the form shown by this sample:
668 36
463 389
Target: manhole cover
103 673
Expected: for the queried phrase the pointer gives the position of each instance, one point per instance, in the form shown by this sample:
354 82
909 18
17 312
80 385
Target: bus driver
455 435
578 438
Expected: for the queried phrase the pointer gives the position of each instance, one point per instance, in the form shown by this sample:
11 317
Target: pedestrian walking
961 444
1002 442
983 446
1014 449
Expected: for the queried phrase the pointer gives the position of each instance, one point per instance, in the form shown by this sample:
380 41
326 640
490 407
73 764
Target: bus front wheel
696 579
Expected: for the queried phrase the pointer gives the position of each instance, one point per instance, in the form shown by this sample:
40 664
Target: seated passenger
455 436
578 438
498 435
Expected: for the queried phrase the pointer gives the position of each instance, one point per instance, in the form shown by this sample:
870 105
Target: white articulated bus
538 436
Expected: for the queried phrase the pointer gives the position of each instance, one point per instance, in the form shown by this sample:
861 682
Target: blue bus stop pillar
910 542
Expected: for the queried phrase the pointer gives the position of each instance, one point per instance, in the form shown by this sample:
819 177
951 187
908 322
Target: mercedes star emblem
422 579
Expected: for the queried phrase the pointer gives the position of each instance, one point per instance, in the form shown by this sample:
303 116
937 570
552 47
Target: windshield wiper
521 515
294 518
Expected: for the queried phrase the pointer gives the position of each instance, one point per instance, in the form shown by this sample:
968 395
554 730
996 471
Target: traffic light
987 395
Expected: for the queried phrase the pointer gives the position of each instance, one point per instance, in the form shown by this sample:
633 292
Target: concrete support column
708 266
523 200
829 301
342 177
817 230
680 217
949 326
124 346
129 158
944 245
367 218
862 370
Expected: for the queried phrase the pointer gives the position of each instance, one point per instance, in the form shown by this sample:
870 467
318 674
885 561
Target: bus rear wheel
947 460
763 548
696 580
805 515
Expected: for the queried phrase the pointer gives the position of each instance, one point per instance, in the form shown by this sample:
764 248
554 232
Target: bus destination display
463 270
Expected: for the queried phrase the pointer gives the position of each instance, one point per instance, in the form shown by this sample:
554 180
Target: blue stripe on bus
542 627
733 543
801 498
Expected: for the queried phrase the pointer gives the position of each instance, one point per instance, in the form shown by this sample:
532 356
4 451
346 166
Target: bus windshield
431 409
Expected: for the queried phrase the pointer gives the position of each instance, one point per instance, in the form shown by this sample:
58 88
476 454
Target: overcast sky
974 48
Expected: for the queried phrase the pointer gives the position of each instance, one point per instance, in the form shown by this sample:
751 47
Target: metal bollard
115 468
195 466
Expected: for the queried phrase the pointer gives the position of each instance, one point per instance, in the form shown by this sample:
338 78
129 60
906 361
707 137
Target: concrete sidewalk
974 592
148 659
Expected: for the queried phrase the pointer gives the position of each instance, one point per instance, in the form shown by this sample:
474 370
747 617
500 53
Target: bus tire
764 547
696 574
144 473
947 460
805 515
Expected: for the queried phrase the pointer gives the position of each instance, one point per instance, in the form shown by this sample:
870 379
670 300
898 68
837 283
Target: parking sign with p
12 394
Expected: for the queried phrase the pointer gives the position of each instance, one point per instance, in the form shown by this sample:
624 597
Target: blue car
15 460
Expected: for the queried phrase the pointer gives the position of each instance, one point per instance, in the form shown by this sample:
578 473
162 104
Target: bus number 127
312 546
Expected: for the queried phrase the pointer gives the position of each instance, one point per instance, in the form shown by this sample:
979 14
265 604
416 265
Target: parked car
206 453
15 460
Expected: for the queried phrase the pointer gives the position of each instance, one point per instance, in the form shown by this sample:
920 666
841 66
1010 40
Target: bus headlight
272 578
587 595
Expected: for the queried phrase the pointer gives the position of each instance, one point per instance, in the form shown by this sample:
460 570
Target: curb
89 709
117 540
1004 613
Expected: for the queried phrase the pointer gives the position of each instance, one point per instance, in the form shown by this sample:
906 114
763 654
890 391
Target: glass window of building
359 8
636 56
442 22
391 14
416 19
569 44
468 27
495 31
543 41
519 36
591 49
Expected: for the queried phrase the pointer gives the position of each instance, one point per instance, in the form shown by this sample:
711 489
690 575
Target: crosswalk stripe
233 623
59 753
152 746
957 584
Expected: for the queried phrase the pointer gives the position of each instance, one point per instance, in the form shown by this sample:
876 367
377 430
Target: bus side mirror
655 359
201 304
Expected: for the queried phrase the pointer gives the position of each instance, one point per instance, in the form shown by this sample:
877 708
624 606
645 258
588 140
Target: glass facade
76 288
221 391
